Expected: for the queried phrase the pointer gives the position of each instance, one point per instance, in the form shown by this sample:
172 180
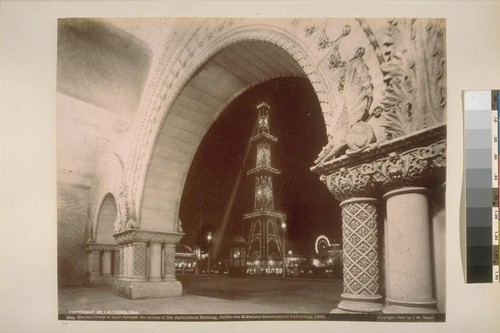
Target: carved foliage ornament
414 72
355 182
387 173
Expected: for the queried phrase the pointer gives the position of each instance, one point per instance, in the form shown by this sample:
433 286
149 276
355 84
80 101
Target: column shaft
95 262
139 264
408 257
154 262
121 269
106 262
129 261
360 246
169 262
116 262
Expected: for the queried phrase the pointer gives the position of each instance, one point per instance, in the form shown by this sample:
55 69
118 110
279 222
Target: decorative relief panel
353 94
411 56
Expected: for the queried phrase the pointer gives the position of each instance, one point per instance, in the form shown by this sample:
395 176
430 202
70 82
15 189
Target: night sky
213 194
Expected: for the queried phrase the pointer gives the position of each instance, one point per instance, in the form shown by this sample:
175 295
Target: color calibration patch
482 183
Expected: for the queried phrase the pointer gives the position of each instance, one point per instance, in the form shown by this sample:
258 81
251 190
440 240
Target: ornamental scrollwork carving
411 168
394 170
145 236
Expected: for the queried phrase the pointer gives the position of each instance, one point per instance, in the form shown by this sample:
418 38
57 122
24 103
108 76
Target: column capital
413 160
147 236
100 247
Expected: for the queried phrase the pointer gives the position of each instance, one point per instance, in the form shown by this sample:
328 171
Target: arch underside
220 80
106 221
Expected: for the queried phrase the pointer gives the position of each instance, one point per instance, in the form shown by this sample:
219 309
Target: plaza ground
215 295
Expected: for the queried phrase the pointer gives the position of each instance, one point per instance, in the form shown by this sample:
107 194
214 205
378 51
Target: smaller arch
107 181
106 220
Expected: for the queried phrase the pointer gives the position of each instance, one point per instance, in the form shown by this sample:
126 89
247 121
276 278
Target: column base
413 307
141 290
101 280
359 304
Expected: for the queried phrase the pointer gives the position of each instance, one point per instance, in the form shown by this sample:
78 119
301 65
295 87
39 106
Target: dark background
218 192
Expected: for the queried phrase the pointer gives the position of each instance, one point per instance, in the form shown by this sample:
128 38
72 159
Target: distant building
186 261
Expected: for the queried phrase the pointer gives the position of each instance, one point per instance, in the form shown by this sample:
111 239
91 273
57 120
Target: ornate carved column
142 264
139 258
169 262
121 263
402 171
359 238
360 244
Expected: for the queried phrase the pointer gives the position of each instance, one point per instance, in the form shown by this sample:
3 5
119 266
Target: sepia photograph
219 169
249 166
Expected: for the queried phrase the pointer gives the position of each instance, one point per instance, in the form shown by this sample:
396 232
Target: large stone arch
157 117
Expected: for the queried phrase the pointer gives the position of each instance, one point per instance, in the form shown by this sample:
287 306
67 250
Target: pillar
121 263
106 262
360 247
141 258
116 262
94 262
138 259
128 263
169 262
154 262
408 252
